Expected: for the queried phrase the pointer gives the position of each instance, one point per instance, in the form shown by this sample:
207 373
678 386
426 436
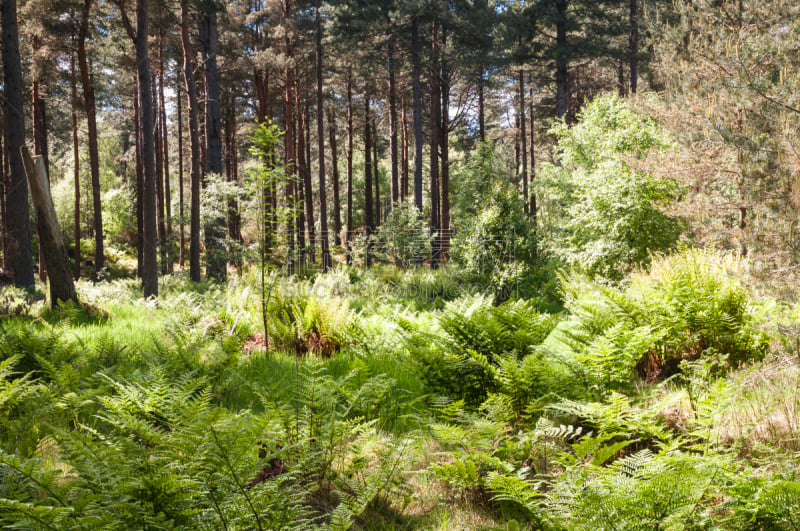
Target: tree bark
368 220
216 261
323 206
167 244
161 224
194 144
19 260
91 125
417 94
179 105
376 174
435 126
523 138
393 155
634 44
308 189
532 207
444 230
40 136
62 288
337 211
77 168
139 186
349 192
481 108
562 60
404 149
289 143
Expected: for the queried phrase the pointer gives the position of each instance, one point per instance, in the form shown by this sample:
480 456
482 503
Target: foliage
403 236
603 215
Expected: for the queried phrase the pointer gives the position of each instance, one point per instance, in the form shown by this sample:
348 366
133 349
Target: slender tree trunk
307 214
4 184
435 126
216 260
232 169
194 144
161 225
404 149
179 105
167 243
417 93
337 211
77 169
139 186
444 230
289 144
349 192
323 206
19 260
523 138
634 44
532 207
394 186
307 180
562 65
376 175
368 219
40 139
481 107
91 122
147 122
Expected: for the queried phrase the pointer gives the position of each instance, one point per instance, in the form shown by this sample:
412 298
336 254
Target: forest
421 264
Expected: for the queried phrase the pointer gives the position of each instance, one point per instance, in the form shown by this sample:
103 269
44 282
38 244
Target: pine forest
399 265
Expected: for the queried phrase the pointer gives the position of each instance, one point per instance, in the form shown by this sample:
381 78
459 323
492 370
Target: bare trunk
435 126
161 225
444 230
337 211
179 105
404 149
19 260
139 186
62 287
532 207
634 44
91 123
194 144
349 192
376 174
523 138
481 108
167 243
323 206
216 260
289 145
149 254
368 219
395 193
562 73
77 169
417 92
40 140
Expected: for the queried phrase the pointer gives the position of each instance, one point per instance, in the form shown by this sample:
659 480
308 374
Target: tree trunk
167 244
368 220
444 230
404 149
435 125
18 251
562 65
634 44
139 186
179 105
289 144
307 180
417 92
376 174
323 206
349 207
40 137
532 207
394 186
306 214
194 144
161 224
146 120
77 169
337 211
232 170
62 288
523 138
91 123
481 108
216 260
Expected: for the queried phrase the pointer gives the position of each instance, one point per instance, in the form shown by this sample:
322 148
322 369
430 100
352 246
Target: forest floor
383 399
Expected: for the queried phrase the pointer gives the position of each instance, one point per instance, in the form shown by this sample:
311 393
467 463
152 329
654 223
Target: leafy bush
604 216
